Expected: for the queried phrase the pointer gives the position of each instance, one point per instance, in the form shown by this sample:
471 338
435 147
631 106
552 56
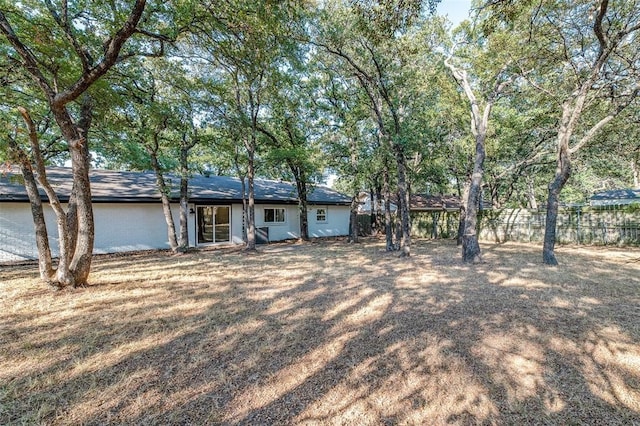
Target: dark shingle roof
117 186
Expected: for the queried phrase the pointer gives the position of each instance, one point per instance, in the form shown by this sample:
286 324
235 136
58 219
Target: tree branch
63 22
30 61
111 55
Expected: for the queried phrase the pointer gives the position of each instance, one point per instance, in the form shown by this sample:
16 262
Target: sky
456 10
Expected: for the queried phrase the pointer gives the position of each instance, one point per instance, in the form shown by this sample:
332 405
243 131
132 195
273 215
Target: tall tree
92 41
135 130
247 42
480 110
289 129
586 58
367 39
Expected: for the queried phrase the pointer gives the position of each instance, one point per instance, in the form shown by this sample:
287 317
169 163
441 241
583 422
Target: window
273 215
321 215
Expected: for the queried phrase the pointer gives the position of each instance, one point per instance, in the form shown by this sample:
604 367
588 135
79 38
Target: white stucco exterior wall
123 227
17 236
336 224
118 227
130 226
288 229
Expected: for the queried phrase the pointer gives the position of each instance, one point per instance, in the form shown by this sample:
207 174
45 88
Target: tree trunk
45 264
81 263
42 237
72 224
251 210
463 212
378 206
183 241
373 210
84 123
563 171
398 224
531 195
75 134
470 245
435 216
165 194
301 185
65 274
304 218
403 196
245 208
353 220
388 228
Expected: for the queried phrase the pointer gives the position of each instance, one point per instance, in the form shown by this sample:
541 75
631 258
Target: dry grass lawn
327 333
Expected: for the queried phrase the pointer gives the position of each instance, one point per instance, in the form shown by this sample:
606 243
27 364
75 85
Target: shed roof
434 202
615 196
125 186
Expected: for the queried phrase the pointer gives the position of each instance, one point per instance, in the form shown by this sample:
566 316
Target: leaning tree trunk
470 245
45 264
75 134
563 171
47 273
63 274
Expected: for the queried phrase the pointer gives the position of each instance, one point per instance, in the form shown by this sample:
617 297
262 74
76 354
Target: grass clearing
327 333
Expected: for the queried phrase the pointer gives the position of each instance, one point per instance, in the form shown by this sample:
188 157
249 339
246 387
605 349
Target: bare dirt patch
327 333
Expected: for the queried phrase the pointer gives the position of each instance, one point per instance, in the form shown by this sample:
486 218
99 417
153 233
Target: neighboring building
418 203
364 203
615 197
425 202
128 213
434 216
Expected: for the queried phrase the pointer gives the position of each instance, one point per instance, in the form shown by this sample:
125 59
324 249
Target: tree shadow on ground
337 334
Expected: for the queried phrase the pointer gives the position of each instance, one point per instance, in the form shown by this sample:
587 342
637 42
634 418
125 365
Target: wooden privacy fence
618 225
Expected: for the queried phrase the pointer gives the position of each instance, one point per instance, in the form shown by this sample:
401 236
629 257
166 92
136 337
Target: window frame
275 215
324 215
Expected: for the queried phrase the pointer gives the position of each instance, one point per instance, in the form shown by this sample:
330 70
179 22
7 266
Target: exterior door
222 221
213 224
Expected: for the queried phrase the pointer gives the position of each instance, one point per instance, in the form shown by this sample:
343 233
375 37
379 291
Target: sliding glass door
213 224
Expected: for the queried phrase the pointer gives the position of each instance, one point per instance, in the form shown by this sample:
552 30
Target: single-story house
615 197
128 212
